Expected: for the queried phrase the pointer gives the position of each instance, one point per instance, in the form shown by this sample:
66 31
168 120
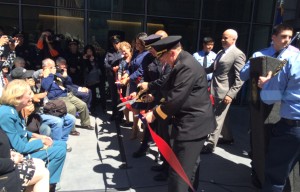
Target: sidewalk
101 161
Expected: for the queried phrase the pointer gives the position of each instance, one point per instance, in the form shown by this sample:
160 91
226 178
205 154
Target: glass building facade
93 21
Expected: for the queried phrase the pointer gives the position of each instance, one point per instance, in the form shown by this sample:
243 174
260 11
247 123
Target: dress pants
54 157
283 153
221 111
74 105
188 153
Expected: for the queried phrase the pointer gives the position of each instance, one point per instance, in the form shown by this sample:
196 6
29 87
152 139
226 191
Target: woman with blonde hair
125 49
16 96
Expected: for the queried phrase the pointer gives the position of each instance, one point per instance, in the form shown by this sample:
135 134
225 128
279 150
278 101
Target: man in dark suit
187 100
225 85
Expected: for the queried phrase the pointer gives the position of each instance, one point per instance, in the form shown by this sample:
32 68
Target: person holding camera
47 47
7 49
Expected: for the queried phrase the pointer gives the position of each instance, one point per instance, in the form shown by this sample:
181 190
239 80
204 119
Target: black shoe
208 148
89 127
140 153
52 187
161 177
158 168
225 142
112 118
125 124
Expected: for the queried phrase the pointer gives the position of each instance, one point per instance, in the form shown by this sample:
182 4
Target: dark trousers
283 153
188 153
114 93
85 97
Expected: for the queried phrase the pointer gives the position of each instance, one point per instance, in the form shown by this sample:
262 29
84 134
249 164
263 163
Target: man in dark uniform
75 63
187 100
155 75
111 63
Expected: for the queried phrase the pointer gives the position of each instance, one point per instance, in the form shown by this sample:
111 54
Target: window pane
102 26
180 8
260 38
9 18
61 21
10 1
103 5
227 10
264 11
58 3
129 6
185 27
216 29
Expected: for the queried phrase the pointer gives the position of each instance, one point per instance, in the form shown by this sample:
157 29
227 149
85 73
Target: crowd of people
183 96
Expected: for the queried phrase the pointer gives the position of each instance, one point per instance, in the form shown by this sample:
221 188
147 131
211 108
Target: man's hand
143 86
84 89
37 97
16 157
26 111
227 100
262 80
149 117
3 40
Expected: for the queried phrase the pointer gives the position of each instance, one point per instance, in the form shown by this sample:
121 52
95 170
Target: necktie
205 60
218 57
275 55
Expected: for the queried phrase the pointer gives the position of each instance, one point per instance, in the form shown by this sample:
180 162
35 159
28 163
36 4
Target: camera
59 70
10 39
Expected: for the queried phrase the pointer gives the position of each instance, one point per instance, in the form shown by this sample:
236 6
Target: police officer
187 99
284 145
111 62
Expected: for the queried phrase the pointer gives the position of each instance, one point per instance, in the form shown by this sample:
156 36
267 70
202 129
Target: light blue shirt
285 87
270 51
199 56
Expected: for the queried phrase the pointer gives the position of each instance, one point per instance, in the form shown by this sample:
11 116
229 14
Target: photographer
7 49
47 46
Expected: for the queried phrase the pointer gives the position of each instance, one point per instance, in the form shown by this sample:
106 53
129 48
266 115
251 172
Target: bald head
229 38
162 33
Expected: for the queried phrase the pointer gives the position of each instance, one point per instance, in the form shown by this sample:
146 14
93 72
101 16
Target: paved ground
101 161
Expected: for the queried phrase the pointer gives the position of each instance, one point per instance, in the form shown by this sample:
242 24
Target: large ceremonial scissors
140 97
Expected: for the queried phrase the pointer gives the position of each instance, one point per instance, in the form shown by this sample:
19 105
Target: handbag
56 108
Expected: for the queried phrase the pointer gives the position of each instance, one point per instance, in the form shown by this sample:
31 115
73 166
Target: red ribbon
168 153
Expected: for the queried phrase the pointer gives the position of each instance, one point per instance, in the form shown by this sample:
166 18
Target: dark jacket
187 100
9 176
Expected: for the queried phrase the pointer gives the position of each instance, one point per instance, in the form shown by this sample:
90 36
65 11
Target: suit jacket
226 73
187 100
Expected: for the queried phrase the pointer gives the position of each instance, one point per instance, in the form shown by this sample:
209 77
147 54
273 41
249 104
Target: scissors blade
121 109
126 102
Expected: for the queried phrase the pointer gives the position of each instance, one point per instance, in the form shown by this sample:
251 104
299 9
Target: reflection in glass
103 5
57 3
185 27
66 22
187 8
129 6
227 10
102 26
264 11
9 18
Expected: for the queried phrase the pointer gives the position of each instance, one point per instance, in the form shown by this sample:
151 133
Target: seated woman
17 95
16 173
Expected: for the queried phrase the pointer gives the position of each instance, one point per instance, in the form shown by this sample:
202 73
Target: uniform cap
151 39
73 41
165 44
115 39
21 73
